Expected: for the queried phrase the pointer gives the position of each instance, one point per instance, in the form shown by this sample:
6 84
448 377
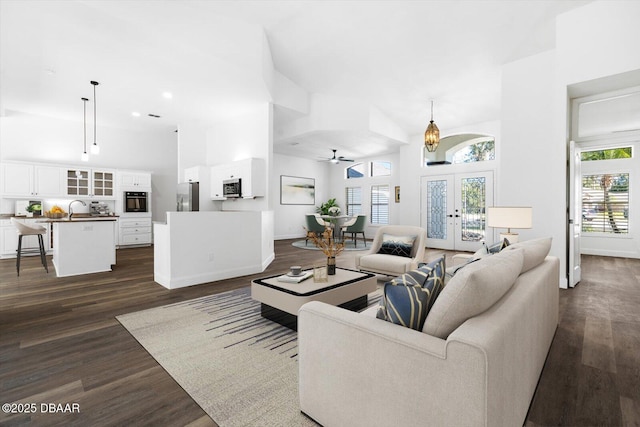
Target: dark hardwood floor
60 343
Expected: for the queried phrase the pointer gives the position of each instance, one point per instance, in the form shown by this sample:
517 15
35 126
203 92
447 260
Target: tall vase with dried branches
329 246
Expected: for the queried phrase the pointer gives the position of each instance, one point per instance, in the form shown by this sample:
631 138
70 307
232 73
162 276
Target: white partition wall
200 247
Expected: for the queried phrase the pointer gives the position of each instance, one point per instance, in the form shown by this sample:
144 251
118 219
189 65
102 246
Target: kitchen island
83 245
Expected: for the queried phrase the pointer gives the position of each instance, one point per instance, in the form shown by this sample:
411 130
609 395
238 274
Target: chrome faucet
72 202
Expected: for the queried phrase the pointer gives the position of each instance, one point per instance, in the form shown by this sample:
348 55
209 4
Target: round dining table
337 221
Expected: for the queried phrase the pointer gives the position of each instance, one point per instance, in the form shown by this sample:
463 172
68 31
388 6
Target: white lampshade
509 217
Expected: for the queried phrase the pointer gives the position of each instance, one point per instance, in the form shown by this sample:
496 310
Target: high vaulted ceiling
394 55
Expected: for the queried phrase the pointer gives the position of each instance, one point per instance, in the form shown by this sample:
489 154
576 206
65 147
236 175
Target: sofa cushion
397 245
406 307
473 290
535 251
387 263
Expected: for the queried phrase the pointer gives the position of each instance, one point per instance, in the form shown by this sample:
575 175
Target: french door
574 226
453 209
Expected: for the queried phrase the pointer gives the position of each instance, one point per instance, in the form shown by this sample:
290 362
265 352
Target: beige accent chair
392 265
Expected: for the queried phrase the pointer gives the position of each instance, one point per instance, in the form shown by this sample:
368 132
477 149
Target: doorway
453 209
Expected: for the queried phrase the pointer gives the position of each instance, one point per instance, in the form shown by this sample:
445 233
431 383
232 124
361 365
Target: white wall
532 169
289 219
245 136
34 138
597 40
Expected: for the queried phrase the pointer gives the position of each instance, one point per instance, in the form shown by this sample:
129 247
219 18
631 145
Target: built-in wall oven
136 201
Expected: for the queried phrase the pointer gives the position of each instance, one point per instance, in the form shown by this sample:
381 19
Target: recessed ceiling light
135 114
167 95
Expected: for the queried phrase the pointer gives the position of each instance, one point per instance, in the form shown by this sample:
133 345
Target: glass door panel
437 201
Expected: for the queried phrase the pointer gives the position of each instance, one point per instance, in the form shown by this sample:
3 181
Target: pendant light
95 149
432 135
85 156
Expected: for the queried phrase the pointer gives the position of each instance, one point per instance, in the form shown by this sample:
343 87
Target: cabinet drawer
126 223
135 239
134 230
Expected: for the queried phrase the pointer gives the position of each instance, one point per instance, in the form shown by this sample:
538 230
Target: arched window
356 171
473 150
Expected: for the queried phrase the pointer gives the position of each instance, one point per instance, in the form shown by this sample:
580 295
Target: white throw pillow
472 291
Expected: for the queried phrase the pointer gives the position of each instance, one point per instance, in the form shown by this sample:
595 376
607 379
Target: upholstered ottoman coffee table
280 301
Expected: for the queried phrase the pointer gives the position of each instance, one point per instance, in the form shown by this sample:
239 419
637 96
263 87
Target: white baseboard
289 236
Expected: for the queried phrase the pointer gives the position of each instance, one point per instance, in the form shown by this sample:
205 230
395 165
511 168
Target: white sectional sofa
357 370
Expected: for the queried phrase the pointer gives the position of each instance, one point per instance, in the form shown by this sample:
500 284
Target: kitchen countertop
78 218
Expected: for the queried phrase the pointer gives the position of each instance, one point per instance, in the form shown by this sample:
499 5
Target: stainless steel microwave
232 188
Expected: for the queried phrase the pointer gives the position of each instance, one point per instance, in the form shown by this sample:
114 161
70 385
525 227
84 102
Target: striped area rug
239 367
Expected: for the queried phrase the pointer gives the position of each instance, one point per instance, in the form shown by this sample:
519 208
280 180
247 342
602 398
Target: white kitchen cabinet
136 180
94 183
135 231
218 174
27 180
9 237
17 179
251 171
48 180
103 183
78 183
195 174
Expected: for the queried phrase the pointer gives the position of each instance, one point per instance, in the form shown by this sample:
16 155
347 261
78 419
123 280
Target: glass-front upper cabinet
77 182
103 183
91 183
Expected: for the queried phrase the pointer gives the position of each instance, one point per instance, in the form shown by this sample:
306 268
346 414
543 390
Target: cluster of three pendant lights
95 149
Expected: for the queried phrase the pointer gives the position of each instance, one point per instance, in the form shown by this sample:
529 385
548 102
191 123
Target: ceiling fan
335 159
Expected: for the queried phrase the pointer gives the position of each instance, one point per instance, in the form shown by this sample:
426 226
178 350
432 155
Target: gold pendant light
432 135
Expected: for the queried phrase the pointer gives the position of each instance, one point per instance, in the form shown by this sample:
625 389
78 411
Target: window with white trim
353 197
605 203
380 204
379 168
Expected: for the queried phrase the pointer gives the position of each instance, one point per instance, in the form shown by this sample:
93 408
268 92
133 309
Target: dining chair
356 228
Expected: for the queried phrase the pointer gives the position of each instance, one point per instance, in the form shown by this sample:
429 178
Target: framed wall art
295 190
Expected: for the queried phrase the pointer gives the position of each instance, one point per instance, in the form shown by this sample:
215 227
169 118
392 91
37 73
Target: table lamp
509 217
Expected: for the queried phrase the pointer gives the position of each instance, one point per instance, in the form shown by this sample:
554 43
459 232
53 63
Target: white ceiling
394 55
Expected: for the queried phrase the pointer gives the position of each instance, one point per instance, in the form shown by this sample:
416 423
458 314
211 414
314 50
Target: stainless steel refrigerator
188 197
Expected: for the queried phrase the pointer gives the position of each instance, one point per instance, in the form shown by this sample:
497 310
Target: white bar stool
27 230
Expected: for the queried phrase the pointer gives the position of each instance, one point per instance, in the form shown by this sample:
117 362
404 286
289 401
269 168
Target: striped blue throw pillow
408 298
